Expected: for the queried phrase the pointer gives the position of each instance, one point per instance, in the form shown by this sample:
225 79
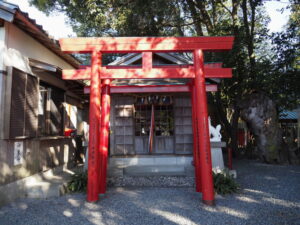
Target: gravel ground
270 194
151 181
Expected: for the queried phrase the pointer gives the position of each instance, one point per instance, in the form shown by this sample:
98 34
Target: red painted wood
152 89
147 60
196 157
94 130
151 134
104 134
217 72
202 130
207 65
141 44
140 73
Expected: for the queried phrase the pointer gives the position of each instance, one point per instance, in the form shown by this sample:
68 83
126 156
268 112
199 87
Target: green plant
224 183
78 182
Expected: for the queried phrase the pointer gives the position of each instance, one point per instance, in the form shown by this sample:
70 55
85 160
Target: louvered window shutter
56 111
17 112
31 113
24 105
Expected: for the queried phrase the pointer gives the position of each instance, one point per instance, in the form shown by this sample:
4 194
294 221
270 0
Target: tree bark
260 113
231 126
249 30
196 17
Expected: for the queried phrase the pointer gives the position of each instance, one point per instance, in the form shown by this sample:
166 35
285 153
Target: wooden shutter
183 125
31 112
56 111
122 126
17 112
24 105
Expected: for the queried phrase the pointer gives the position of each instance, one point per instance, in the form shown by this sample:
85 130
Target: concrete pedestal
217 155
162 164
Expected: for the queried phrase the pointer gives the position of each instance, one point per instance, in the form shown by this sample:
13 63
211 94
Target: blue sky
57 27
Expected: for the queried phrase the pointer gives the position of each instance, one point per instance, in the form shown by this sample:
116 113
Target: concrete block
116 161
184 160
145 161
130 161
217 158
115 171
42 185
154 171
165 161
189 171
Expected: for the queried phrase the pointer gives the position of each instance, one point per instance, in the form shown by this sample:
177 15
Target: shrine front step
151 166
143 171
150 160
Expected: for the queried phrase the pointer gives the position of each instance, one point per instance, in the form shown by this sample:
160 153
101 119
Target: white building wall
20 42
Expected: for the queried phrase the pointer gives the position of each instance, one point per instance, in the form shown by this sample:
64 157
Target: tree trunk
231 127
260 113
234 130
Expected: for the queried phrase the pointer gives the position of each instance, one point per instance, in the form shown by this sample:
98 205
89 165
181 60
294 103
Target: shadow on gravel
269 195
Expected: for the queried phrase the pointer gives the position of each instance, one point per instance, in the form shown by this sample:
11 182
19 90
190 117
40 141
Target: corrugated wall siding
122 137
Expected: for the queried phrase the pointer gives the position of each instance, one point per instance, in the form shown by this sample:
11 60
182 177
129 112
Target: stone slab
155 171
42 185
217 144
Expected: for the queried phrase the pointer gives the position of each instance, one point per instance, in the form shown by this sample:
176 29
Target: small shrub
224 183
78 182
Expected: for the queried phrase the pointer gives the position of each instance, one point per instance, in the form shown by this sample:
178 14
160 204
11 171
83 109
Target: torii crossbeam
101 76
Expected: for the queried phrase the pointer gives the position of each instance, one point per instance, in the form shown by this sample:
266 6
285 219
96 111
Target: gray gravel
151 181
270 194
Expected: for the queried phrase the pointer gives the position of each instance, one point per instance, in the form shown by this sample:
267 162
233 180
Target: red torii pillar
202 130
196 150
94 130
104 134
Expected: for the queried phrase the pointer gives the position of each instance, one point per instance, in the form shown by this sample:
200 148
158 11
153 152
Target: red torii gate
101 76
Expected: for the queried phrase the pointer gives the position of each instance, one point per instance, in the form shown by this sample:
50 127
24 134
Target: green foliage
118 17
285 80
224 183
78 182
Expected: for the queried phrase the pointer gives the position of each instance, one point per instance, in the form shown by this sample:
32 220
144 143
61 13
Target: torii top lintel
146 45
143 44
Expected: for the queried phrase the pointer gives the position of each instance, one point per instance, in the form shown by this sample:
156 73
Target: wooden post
202 130
195 140
104 134
151 133
94 131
